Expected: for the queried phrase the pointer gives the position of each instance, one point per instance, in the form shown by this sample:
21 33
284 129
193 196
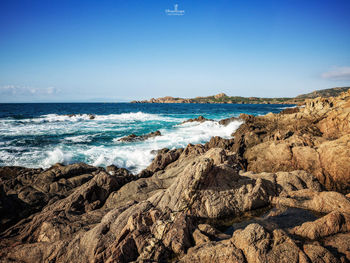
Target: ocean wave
122 117
79 138
57 156
76 147
137 156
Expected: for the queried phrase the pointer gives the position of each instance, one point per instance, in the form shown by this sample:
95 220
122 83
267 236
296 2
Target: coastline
222 98
298 158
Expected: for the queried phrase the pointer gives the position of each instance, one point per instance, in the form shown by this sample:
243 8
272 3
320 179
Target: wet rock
199 119
134 138
91 116
116 171
227 121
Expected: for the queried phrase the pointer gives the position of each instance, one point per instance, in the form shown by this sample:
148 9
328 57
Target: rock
323 202
215 252
199 190
258 245
163 158
116 171
199 238
133 137
287 182
91 116
220 96
227 121
332 223
334 158
218 142
26 191
211 232
317 253
339 245
199 119
314 138
290 110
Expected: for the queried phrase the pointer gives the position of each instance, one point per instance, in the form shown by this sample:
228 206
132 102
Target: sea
42 134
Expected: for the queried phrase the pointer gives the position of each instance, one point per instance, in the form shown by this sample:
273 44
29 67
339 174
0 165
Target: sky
120 50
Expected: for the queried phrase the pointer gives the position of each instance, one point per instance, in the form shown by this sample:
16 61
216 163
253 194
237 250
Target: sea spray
40 135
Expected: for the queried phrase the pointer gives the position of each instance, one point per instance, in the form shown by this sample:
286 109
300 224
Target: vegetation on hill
326 93
222 98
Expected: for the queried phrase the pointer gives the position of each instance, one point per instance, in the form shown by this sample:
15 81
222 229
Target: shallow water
40 135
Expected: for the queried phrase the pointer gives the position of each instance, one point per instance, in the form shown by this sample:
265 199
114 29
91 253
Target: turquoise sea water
41 134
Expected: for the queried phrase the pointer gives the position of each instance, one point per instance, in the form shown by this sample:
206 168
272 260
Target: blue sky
57 50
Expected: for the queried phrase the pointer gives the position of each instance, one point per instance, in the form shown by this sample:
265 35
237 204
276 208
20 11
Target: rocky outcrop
134 138
167 99
314 139
91 116
199 119
227 121
161 217
24 192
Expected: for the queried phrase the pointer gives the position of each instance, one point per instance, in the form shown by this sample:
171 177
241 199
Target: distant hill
324 93
222 98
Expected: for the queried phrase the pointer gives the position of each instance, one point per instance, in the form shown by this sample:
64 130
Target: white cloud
338 73
13 91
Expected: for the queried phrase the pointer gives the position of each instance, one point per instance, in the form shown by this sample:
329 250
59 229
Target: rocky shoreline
278 191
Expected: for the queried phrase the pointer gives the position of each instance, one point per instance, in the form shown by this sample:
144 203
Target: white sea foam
79 138
57 156
134 156
137 156
123 117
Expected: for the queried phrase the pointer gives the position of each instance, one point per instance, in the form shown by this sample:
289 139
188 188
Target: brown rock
215 252
330 224
323 202
218 142
317 253
227 121
26 191
260 246
199 119
290 110
163 158
339 244
334 157
133 137
314 138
